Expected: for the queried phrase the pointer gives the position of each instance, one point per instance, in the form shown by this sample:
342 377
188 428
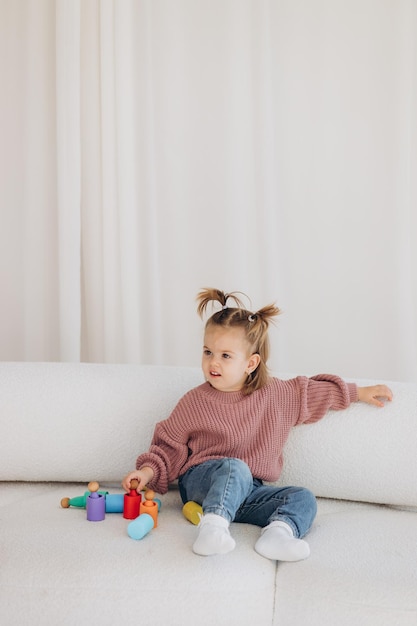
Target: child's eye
226 356
206 352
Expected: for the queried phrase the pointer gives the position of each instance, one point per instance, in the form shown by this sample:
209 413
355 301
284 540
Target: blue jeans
226 487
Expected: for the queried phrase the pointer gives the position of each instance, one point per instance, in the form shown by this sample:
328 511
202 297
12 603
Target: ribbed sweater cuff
353 392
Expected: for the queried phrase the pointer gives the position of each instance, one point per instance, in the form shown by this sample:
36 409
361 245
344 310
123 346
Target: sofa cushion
363 453
57 568
361 571
81 422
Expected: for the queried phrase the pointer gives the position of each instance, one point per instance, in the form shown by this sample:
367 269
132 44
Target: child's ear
253 363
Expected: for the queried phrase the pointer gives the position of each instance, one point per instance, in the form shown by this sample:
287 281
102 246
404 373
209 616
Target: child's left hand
375 394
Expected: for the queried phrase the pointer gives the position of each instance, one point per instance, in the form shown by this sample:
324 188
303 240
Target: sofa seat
58 568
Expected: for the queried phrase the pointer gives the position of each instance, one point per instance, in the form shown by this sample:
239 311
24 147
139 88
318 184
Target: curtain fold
152 148
68 177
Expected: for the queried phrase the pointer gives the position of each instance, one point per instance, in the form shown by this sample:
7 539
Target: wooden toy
114 501
193 512
79 502
132 501
140 526
149 506
96 504
143 513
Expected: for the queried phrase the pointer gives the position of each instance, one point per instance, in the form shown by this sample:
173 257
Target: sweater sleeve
321 393
167 453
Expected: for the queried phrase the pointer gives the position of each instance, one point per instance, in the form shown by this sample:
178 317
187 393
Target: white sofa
64 425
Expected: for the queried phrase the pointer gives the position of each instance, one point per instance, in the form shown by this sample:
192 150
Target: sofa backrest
77 422
82 421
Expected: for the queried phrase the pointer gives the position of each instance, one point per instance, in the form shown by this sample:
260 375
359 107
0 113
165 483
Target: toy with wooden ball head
79 502
149 506
132 501
114 501
96 503
143 513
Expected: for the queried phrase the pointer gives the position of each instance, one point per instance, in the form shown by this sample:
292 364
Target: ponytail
254 324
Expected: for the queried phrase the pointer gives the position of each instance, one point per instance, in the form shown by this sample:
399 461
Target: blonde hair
255 326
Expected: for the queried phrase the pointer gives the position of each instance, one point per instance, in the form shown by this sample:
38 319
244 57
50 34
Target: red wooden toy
132 501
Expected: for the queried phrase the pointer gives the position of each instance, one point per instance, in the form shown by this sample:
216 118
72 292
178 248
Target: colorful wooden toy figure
96 504
140 526
149 506
132 501
193 512
80 502
114 501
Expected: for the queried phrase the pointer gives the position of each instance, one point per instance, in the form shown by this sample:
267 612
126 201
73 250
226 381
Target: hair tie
251 317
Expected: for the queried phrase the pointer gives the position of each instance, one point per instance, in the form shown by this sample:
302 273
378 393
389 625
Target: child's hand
143 476
375 394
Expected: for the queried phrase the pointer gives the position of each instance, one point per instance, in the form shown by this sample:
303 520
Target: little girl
226 436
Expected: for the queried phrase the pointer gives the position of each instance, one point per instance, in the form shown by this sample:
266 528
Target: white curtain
153 147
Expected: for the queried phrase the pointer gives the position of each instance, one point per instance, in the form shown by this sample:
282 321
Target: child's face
226 359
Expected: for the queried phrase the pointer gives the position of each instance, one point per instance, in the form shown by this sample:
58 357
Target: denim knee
219 485
232 483
238 467
298 509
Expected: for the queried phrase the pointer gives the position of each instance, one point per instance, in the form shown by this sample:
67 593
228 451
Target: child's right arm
166 455
143 476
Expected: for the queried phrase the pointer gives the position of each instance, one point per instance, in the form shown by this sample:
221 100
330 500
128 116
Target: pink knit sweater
210 424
